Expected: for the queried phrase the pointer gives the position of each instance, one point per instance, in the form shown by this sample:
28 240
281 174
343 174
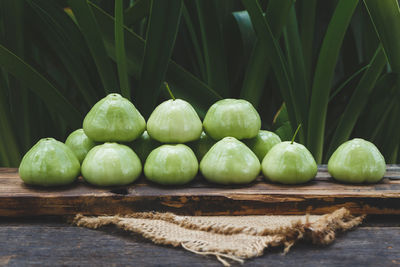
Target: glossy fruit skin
49 163
114 119
111 164
171 165
262 143
80 144
174 121
144 145
357 161
230 161
201 146
232 117
288 163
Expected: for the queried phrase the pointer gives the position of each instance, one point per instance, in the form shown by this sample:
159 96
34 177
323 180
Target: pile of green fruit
114 147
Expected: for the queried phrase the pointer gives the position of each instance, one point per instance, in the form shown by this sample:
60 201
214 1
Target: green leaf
13 29
385 15
182 83
281 124
259 66
296 63
213 46
12 12
390 135
277 60
120 50
240 37
9 151
370 40
92 34
307 28
285 131
377 109
39 85
246 31
64 38
139 10
324 73
357 101
195 41
161 34
347 81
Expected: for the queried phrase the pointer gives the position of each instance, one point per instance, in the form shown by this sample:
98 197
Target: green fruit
289 163
171 165
80 144
262 143
114 119
230 161
111 164
174 121
232 117
144 145
49 163
357 161
200 147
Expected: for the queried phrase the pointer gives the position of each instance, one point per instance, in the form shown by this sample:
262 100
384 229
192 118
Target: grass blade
91 32
277 60
296 63
389 135
213 47
12 12
238 30
307 28
66 43
357 101
120 50
324 73
380 102
195 41
161 34
370 39
9 151
39 85
347 81
139 10
179 79
246 31
385 14
259 66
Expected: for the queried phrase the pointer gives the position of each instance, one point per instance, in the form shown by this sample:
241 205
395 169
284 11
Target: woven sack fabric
229 237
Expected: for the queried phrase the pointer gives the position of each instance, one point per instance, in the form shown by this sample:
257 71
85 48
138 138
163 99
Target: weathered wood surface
37 243
320 196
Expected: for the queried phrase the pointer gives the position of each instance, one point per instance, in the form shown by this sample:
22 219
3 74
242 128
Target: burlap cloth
229 237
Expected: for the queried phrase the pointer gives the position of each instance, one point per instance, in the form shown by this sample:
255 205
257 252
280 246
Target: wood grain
38 244
201 198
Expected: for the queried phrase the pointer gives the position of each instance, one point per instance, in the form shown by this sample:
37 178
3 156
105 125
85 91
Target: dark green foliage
332 67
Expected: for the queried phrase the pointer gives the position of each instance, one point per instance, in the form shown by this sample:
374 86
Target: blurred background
330 65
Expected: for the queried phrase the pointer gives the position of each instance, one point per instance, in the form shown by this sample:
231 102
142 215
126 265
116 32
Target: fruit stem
295 133
169 91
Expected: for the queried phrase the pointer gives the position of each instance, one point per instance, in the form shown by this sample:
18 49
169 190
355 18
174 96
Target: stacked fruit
113 148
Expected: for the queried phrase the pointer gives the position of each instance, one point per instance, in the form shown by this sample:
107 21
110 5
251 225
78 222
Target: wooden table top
320 196
52 242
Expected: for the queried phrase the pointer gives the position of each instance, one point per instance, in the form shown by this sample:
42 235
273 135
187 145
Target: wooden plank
201 198
39 244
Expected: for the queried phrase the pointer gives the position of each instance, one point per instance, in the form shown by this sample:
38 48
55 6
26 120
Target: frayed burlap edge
321 231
